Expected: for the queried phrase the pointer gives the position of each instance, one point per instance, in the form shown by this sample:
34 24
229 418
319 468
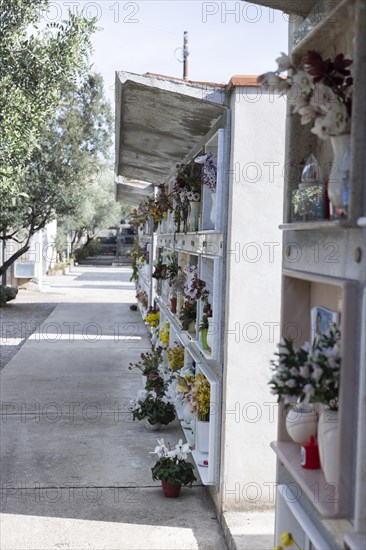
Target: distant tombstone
24 270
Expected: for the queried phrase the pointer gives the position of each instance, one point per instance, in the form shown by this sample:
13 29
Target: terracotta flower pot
171 491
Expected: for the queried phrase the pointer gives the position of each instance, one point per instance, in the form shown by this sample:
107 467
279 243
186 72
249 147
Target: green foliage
149 362
158 410
60 168
36 64
174 471
98 208
92 248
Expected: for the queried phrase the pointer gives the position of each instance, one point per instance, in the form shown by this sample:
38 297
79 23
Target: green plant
207 312
289 376
172 465
149 362
141 295
157 409
309 374
323 368
176 358
188 314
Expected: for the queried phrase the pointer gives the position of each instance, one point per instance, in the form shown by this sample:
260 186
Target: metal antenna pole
185 55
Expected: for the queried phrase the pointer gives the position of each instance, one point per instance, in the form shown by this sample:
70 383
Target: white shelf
312 482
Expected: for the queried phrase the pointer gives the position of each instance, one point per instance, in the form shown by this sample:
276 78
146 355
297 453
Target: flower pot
210 334
339 175
213 209
173 305
204 338
328 443
203 435
151 427
170 491
192 326
301 423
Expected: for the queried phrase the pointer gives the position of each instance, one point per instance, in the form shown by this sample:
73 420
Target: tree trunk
13 258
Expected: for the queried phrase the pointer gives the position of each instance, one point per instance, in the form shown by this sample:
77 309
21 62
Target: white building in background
35 263
163 121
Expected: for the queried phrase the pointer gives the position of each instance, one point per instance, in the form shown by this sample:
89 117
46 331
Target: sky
225 38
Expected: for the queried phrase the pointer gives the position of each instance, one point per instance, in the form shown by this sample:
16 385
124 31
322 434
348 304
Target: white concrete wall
253 298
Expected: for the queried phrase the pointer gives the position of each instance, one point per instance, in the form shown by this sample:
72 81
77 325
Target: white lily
284 62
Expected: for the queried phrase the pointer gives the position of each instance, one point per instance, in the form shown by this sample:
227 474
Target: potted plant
152 408
188 315
172 467
322 386
149 365
288 381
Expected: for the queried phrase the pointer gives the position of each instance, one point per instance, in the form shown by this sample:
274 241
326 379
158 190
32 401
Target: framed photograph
321 319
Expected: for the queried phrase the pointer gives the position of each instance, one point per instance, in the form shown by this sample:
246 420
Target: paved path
75 468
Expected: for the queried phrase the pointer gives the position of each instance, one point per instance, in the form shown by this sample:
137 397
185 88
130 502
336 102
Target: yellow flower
164 334
287 539
278 547
176 357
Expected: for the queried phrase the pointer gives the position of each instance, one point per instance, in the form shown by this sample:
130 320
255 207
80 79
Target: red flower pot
171 491
173 305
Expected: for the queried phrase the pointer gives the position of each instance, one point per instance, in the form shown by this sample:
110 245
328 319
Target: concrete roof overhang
297 7
132 192
159 121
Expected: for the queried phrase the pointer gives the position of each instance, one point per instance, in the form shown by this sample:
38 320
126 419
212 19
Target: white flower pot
151 427
328 442
202 433
187 415
213 209
301 424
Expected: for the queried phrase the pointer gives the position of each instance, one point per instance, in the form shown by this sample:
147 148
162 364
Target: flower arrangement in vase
142 297
320 91
200 406
152 317
187 189
311 375
176 358
164 334
172 467
288 381
204 326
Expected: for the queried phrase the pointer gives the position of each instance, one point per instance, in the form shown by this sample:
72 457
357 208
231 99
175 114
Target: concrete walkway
75 468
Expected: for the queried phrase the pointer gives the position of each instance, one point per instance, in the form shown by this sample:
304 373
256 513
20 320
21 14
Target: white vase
301 424
339 175
328 442
195 210
202 435
210 333
187 415
213 209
